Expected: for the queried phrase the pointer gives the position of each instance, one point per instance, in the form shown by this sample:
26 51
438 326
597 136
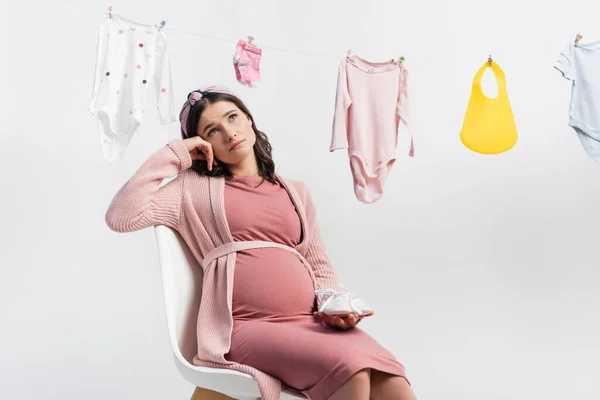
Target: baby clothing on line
371 100
130 57
580 64
246 62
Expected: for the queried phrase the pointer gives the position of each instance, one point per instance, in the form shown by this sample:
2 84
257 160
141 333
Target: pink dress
274 329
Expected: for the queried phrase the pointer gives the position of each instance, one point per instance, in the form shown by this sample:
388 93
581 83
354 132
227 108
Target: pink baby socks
246 62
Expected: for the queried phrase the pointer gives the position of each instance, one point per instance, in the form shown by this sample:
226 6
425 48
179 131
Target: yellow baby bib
489 125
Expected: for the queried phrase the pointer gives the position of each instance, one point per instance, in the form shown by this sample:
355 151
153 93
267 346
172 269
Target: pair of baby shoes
342 303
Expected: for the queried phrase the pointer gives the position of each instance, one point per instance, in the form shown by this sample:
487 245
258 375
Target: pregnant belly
271 283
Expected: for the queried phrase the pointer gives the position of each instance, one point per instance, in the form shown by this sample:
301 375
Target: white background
483 270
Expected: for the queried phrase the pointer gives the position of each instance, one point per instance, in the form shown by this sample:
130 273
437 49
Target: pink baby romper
371 101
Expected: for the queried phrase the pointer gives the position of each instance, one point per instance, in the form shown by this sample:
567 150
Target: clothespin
401 60
250 39
578 38
490 60
162 25
110 12
348 55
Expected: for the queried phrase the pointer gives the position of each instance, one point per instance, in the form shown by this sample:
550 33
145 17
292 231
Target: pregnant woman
257 238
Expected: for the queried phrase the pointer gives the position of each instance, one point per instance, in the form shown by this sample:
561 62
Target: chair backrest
182 287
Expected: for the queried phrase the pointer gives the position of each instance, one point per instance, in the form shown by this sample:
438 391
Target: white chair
182 286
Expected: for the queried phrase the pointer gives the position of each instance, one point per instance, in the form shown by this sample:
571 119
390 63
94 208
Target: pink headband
193 97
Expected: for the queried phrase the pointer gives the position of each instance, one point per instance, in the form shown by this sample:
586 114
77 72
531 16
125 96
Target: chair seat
232 383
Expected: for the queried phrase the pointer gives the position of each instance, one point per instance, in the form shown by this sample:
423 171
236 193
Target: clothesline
223 39
550 51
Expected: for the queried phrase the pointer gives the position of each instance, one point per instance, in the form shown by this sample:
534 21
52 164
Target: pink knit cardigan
193 205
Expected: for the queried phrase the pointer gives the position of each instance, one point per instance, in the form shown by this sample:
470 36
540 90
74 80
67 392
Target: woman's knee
364 375
388 386
357 387
361 381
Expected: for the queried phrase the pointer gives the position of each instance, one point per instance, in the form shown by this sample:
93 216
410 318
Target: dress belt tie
234 247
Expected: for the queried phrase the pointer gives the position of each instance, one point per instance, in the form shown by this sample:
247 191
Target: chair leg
206 394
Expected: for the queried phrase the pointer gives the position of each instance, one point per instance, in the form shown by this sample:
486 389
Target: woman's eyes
232 117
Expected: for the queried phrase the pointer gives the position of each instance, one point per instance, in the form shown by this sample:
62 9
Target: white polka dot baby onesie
130 58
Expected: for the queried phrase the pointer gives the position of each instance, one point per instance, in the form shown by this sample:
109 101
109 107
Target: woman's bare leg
355 388
390 387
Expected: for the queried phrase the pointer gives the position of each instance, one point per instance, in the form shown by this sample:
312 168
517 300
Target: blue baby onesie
581 65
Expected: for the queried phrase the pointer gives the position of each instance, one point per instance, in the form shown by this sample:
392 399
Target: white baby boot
334 303
358 306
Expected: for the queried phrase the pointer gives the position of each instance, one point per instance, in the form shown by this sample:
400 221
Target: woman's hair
262 147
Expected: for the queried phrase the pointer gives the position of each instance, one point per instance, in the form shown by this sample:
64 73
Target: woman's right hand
200 149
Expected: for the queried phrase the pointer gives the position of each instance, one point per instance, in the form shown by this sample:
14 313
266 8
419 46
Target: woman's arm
316 254
140 203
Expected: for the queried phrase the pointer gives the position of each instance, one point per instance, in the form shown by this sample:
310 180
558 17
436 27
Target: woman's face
228 130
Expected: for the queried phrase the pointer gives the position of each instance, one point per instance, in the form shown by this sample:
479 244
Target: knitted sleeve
316 254
141 203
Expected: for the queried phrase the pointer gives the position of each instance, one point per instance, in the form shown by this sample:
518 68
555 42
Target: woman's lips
237 144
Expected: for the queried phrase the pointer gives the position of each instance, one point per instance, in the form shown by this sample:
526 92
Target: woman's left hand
341 323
